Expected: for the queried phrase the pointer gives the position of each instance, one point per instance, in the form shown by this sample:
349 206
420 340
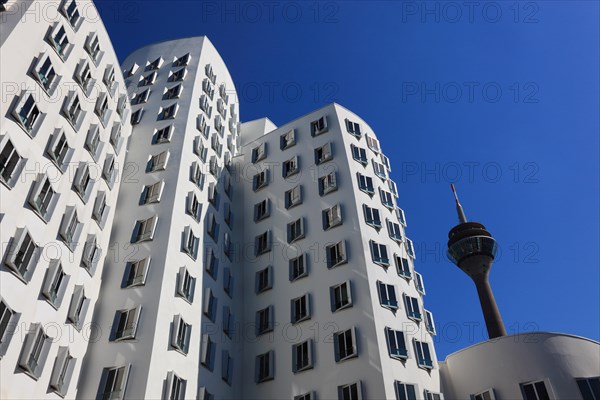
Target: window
27 113
227 321
59 40
215 144
10 162
387 295
402 266
175 386
83 76
55 283
223 93
177 76
589 388
207 352
78 307
8 323
147 80
204 394
41 196
182 61
92 46
22 254
419 283
352 391
210 305
193 206
396 344
410 248
287 140
108 170
341 296
429 324
190 242
228 281
345 345
213 166
212 228
380 170
140 97
336 254
394 230
69 227
136 273
372 143
302 356
152 193
226 367
405 391
91 254
158 162
262 243
327 183
264 320
332 217
259 153
211 265
209 73
318 127
535 391
45 73
35 351
180 334
172 93
264 279
293 197
260 180
400 215
379 253
262 210
300 308
156 64
113 382
298 268
144 229
125 324
196 175
265 367
186 285
295 230
324 153
72 13
386 199
432 395
62 371
359 154
205 105
372 217
291 167
227 245
305 396
58 149
423 355
72 109
109 77
222 110
365 183
92 142
163 135
413 311
167 112
393 187
353 128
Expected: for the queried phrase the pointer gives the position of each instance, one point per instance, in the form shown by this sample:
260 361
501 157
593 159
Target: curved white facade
62 149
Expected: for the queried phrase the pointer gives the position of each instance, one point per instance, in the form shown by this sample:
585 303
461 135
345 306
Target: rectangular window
372 143
228 281
72 109
328 183
58 149
27 113
210 304
152 193
109 77
212 228
175 386
332 217
394 231
35 351
113 382
353 128
379 253
290 167
186 285
489 395
22 254
259 153
156 64
196 175
336 254
365 183
372 217
10 163
167 112
108 170
387 295
396 344
212 263
535 391
180 334
205 105
298 268
125 324
226 367
380 170
262 210
59 40
324 153
293 197
45 73
300 308
227 321
55 283
410 248
69 226
193 206
264 320
401 216
92 142
92 46
262 243
144 229
190 243
405 391
341 296
62 371
402 266
83 76
77 307
413 311
260 180
264 279
207 352
287 140
8 321
91 254
589 388
140 97
295 230
385 161
352 391
265 367
147 80
319 126
419 283
135 273
41 197
182 61
158 162
393 187
345 345
359 154
305 396
429 324
386 199
302 356
423 355
101 108
83 182
177 76
70 11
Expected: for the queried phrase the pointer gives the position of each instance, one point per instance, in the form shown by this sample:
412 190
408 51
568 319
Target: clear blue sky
501 98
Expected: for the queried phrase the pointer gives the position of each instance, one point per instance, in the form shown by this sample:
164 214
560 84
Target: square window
353 128
158 162
182 61
290 167
328 183
319 126
144 229
324 153
27 113
535 391
140 97
152 193
332 217
402 266
287 140
336 254
259 153
372 143
372 216
173 92
405 391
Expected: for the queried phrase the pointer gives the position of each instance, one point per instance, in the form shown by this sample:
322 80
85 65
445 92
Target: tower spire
459 210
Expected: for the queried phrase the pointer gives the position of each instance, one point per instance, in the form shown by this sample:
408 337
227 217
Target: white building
63 132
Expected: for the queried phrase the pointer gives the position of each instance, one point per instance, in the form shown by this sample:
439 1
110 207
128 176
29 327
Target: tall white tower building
63 133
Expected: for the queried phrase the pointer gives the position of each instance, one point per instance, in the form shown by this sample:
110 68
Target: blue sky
501 98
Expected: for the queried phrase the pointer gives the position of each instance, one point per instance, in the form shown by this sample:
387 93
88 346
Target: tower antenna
459 210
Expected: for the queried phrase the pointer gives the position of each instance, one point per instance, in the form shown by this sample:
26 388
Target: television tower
472 248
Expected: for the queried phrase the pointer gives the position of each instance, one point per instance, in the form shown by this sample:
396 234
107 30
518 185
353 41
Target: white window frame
387 295
22 248
379 253
328 183
319 126
337 302
180 334
340 252
342 351
136 273
396 341
413 309
126 324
